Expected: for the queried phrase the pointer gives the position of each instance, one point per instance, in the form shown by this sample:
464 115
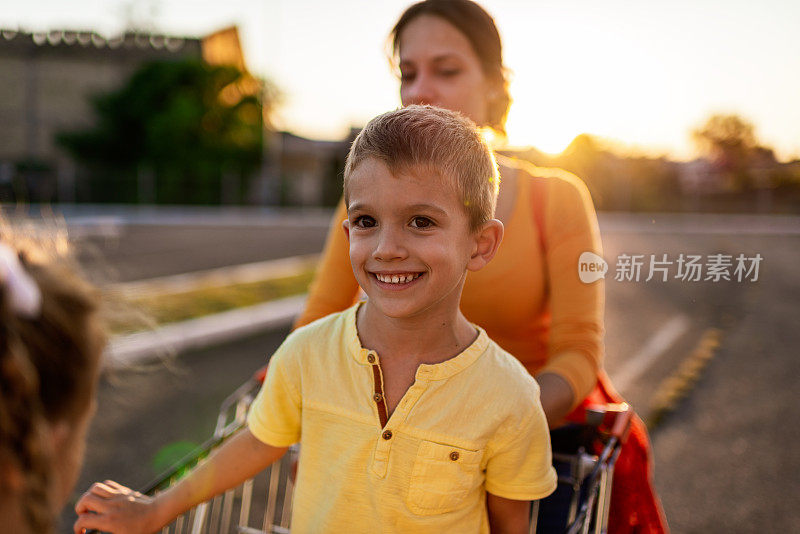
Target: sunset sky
642 73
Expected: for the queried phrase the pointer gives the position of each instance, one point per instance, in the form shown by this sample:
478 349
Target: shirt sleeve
520 461
576 308
275 414
334 287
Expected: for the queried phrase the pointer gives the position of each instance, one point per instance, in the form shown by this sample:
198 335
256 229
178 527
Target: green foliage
170 121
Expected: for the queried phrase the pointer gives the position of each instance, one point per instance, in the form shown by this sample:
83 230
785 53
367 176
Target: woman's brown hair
49 363
479 28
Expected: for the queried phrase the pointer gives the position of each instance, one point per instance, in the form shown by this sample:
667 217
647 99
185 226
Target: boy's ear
346 228
487 241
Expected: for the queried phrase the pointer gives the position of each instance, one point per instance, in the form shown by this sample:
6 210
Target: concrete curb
203 331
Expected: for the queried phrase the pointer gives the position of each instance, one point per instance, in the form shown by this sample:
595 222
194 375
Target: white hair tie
24 295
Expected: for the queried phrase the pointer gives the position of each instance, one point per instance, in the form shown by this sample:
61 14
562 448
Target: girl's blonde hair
49 363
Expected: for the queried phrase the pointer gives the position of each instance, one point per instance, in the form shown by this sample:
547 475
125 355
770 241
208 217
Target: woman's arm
507 516
576 331
111 507
557 397
334 287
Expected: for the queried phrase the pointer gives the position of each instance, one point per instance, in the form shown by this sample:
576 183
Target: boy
410 418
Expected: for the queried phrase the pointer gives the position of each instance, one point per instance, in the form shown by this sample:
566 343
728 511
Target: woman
529 298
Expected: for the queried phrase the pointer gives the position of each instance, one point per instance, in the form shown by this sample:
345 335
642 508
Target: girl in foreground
51 339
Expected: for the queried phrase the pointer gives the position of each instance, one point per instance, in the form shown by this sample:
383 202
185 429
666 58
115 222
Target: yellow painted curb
677 386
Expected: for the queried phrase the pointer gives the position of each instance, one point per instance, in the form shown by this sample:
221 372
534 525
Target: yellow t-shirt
466 426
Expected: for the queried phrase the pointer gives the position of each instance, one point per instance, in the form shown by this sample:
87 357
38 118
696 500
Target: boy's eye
421 222
364 221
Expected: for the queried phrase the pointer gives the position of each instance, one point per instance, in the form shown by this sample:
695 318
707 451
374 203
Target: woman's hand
112 507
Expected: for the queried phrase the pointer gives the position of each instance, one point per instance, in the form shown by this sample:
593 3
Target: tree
170 122
730 142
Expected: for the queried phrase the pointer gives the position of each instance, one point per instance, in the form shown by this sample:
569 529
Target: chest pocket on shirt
442 478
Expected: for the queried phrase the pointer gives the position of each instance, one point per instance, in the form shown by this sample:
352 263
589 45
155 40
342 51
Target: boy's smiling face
410 241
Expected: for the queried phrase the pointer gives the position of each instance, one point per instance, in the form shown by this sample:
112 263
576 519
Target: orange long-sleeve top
529 298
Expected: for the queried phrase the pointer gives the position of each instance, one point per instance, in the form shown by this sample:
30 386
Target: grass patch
169 308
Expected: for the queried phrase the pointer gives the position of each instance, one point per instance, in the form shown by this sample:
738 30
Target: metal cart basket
584 457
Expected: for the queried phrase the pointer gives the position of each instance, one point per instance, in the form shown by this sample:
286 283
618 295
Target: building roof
87 39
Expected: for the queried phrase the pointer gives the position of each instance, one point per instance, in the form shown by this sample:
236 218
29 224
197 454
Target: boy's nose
389 246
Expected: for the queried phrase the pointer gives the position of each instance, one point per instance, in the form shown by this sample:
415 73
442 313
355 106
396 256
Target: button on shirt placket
387 436
381 458
377 377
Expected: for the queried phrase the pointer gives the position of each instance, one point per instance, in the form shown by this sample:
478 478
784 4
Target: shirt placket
383 446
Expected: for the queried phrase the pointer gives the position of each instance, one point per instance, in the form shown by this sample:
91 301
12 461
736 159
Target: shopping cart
584 457
260 505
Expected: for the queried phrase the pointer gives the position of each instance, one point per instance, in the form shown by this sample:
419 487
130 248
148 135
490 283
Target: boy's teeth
396 279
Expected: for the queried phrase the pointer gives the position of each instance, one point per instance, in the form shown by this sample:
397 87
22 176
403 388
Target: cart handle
622 421
611 419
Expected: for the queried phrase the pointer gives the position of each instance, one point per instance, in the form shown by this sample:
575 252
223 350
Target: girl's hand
112 507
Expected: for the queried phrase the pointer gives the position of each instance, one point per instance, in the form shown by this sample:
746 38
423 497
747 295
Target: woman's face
438 66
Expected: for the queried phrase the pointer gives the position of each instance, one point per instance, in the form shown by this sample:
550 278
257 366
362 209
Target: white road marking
657 345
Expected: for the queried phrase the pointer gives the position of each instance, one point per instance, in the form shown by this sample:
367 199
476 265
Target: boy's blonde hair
445 142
